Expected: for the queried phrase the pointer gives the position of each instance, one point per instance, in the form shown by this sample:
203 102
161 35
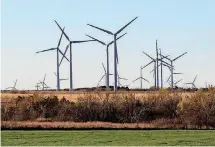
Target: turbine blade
147 64
126 25
136 79
156 67
60 38
63 79
15 83
194 79
46 50
179 56
82 41
178 81
117 39
62 31
46 85
166 57
148 56
101 29
177 73
44 78
145 79
194 85
152 70
104 68
168 78
64 53
8 87
96 39
123 78
169 83
101 78
166 63
120 84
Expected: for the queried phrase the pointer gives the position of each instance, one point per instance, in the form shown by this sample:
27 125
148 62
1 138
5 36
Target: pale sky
27 26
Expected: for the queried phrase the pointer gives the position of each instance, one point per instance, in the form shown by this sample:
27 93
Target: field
7 96
101 137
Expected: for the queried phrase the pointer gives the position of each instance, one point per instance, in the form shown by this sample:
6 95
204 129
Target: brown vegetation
162 110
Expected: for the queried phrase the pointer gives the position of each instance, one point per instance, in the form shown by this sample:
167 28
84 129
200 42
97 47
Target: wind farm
132 73
159 61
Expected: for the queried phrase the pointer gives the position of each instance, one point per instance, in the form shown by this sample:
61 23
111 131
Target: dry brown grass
64 125
164 109
7 97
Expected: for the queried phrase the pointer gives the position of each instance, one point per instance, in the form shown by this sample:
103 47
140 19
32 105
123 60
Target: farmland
7 96
101 137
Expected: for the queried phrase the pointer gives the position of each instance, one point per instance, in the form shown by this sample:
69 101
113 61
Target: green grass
112 137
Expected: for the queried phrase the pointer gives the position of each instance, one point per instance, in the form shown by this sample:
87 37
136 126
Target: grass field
108 138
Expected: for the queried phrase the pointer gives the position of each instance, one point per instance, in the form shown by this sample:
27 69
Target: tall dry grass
197 111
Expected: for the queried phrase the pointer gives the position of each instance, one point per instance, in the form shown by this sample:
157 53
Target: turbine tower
157 64
115 47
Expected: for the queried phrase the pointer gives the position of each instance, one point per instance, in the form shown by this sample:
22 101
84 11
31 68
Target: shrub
199 110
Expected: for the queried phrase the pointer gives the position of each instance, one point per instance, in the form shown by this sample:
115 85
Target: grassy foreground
101 137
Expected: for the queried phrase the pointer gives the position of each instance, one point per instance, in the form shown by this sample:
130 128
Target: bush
199 111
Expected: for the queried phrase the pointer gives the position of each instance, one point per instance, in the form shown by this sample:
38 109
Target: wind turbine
155 67
14 86
58 50
193 85
107 55
115 47
70 47
44 85
141 78
37 86
104 74
171 61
